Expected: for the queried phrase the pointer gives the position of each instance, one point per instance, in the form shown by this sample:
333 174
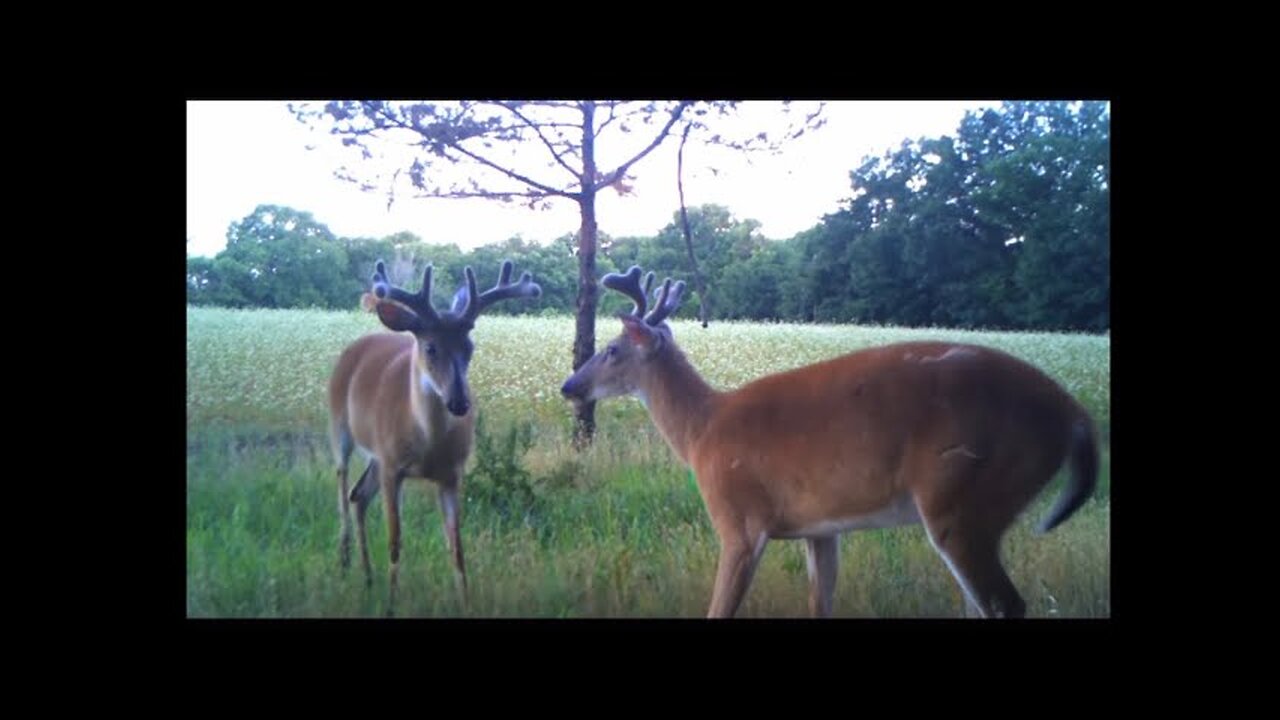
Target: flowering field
270 368
616 531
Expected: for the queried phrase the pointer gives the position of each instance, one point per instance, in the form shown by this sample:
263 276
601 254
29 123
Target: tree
279 257
1004 225
1045 183
718 240
482 138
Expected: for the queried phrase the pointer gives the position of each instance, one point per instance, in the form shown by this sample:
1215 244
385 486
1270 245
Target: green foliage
498 480
1004 226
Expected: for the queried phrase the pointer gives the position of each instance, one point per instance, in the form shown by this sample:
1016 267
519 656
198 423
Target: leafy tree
1004 225
280 257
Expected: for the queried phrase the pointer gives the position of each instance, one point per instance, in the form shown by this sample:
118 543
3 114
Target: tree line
1004 224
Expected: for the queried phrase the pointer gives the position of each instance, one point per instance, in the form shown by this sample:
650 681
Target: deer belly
901 510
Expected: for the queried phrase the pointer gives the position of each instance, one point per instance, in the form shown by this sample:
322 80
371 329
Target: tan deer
959 438
404 401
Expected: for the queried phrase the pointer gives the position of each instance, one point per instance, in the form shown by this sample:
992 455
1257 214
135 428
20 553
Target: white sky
241 154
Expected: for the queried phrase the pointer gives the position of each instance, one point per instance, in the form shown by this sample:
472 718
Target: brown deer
959 438
404 401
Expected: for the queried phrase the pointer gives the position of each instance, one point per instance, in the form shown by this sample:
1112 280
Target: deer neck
679 400
428 406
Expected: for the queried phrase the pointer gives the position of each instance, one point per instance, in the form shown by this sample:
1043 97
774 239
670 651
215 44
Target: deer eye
613 350
431 349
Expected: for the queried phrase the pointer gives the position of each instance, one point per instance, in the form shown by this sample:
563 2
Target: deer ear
397 317
460 299
639 333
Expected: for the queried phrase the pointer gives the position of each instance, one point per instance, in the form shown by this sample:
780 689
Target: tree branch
511 173
460 194
457 145
614 176
612 111
543 138
688 236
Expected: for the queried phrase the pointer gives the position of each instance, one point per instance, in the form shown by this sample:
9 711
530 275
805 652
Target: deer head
444 346
614 370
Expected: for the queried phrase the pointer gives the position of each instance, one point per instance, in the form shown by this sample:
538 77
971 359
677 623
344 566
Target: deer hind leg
365 490
975 563
969 544
823 556
965 514
971 611
343 445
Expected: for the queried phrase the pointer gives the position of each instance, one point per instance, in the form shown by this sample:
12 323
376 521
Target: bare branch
688 236
543 138
456 144
461 194
391 194
567 104
621 170
761 142
613 106
512 174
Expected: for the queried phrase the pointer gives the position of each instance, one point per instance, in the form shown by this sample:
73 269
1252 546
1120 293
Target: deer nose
459 407
570 389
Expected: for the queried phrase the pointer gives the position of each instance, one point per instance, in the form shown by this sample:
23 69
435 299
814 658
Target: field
616 531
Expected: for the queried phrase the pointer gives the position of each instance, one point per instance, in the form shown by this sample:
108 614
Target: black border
170 588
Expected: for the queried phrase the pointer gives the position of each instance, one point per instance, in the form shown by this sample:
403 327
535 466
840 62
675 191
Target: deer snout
458 406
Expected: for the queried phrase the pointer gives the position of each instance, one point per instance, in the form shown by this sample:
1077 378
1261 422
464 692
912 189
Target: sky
241 154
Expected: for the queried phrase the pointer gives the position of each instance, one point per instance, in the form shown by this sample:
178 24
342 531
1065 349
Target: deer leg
964 519
362 494
970 610
449 505
342 451
344 514
973 557
823 556
738 559
391 485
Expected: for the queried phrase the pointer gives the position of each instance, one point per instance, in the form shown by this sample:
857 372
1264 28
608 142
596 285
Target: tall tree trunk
584 341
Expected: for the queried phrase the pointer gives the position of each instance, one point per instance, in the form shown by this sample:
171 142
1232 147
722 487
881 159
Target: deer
402 398
959 438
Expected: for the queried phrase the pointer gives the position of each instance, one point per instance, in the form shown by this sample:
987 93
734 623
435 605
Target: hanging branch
688 236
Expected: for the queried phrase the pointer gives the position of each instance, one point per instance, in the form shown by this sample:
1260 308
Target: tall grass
616 531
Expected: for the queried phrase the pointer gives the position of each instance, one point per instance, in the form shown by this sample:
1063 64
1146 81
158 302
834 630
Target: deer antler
420 303
667 298
629 284
668 301
504 290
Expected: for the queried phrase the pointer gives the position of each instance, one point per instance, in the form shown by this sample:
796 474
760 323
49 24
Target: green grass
617 531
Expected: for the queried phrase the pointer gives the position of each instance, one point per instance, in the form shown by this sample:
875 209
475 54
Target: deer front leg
450 508
739 556
391 483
